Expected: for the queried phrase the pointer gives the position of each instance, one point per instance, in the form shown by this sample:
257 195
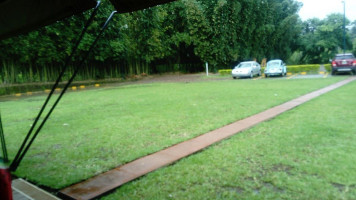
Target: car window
244 65
273 64
344 57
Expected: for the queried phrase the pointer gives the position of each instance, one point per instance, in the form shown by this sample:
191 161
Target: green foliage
322 39
225 71
314 68
115 125
295 58
303 68
185 33
302 154
327 67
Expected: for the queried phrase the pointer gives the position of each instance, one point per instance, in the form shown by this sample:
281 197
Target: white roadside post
207 69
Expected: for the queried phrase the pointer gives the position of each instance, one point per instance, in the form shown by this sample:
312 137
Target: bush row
303 68
312 68
225 71
328 67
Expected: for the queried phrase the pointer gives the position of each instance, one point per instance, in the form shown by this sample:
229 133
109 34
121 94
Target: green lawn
305 153
96 130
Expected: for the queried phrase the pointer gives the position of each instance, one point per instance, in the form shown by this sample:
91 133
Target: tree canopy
320 40
182 35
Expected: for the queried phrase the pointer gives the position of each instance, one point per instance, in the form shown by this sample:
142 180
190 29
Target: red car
344 63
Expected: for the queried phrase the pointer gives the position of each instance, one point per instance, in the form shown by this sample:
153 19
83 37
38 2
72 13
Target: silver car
275 68
246 69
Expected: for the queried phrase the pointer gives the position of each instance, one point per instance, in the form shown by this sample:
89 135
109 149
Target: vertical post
344 1
207 68
3 144
5 182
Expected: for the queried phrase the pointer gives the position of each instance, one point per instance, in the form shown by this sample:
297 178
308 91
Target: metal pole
344 1
3 144
74 49
14 165
207 68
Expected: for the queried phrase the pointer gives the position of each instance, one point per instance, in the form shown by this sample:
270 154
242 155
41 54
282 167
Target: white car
275 68
246 69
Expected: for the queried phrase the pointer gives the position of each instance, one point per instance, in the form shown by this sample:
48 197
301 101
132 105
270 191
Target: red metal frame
5 184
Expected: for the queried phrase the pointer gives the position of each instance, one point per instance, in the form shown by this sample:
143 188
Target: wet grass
96 130
305 153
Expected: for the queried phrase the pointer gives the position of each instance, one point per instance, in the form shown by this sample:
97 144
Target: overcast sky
321 8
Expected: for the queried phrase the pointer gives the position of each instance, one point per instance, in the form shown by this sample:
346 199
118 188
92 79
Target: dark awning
123 6
20 16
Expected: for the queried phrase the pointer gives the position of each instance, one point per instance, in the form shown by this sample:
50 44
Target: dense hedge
179 36
303 68
225 71
314 69
327 67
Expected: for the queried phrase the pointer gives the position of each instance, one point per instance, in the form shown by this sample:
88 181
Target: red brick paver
112 179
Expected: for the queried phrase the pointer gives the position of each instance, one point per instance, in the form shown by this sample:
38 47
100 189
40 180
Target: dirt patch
176 77
163 78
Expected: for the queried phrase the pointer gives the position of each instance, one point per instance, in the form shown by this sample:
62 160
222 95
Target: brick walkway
112 179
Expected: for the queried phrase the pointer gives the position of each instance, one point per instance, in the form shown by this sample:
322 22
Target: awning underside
20 16
123 6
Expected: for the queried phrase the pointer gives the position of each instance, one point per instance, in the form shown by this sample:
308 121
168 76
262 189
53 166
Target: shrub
225 71
327 67
314 68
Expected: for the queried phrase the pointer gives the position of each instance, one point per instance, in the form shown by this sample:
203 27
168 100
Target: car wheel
266 75
234 77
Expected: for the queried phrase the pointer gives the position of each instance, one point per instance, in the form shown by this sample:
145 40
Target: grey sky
321 8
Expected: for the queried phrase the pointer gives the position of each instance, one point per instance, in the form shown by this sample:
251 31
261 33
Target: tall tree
178 36
322 39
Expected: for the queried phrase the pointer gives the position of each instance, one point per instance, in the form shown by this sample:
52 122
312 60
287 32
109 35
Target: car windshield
273 64
344 57
244 65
